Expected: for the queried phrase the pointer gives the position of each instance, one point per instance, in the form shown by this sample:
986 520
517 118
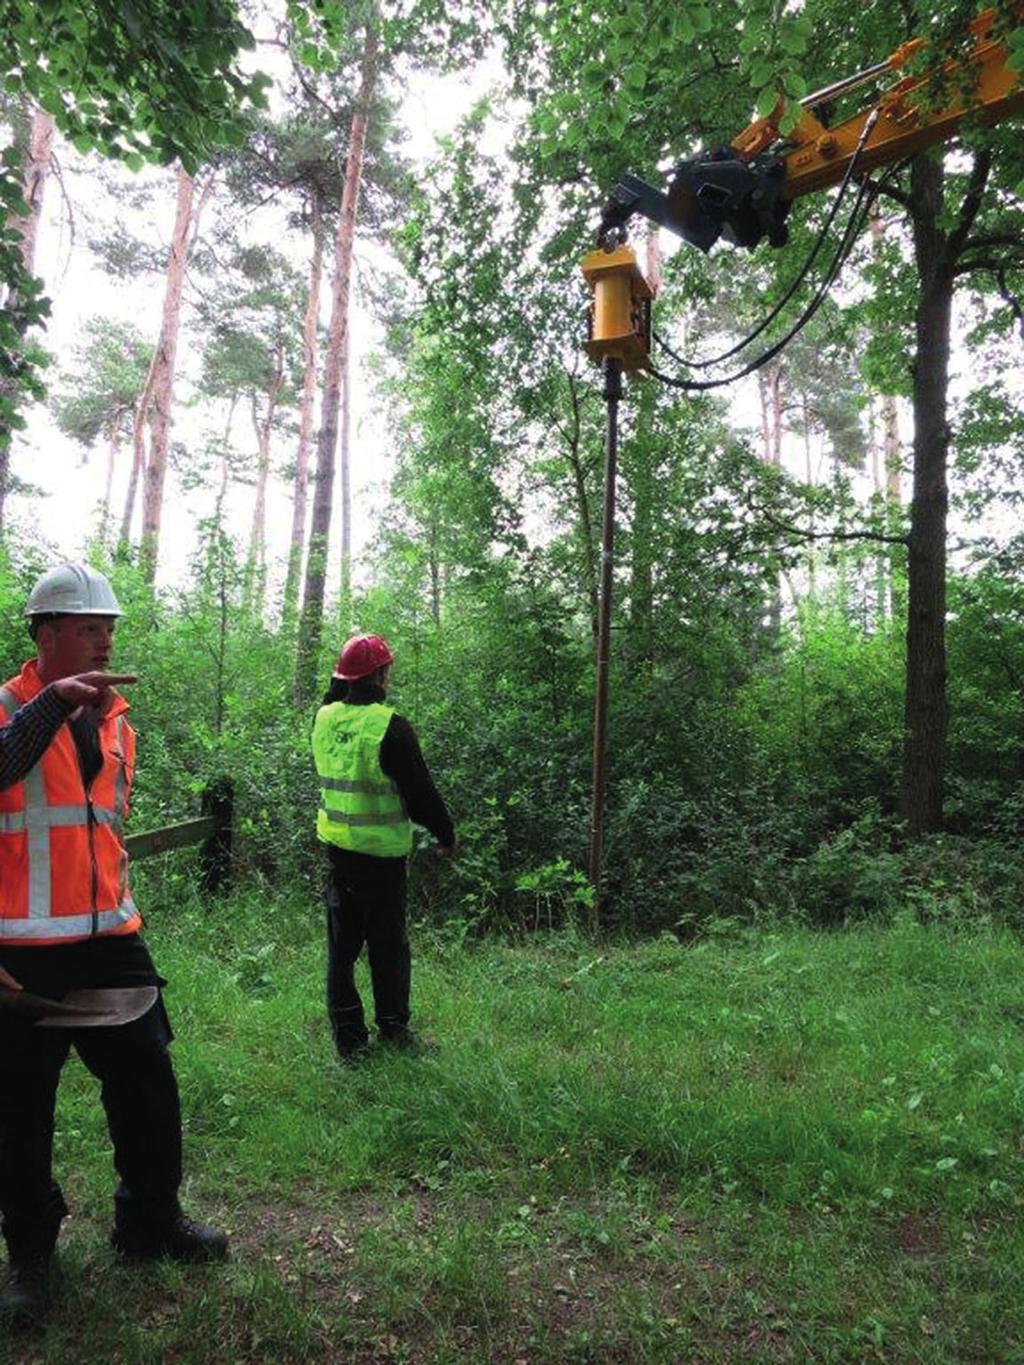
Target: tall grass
770 1145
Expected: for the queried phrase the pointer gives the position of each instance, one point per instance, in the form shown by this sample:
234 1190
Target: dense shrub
744 781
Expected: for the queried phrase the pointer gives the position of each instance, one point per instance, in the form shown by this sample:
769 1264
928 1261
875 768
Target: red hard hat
361 656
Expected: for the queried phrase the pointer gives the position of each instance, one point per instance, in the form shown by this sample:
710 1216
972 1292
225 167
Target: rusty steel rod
612 394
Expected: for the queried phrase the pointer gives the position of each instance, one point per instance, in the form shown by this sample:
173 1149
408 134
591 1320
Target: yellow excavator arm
981 84
743 191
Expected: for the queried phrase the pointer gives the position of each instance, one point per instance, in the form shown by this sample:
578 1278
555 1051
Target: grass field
764 1146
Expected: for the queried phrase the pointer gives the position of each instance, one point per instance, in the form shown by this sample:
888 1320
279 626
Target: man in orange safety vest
68 922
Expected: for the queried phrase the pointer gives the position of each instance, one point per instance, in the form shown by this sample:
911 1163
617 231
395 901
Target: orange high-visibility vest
63 864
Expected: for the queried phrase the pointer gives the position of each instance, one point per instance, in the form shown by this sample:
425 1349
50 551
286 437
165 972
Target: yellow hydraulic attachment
620 318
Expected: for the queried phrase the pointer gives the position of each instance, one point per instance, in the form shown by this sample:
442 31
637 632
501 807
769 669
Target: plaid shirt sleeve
24 739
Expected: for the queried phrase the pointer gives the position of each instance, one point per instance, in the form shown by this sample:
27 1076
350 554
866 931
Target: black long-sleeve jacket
27 735
402 760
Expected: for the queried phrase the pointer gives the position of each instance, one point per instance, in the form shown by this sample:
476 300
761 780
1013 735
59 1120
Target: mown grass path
774 1146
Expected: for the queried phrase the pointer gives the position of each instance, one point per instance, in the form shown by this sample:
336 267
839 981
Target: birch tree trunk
310 358
311 621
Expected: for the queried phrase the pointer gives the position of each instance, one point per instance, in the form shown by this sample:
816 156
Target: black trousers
366 904
138 1090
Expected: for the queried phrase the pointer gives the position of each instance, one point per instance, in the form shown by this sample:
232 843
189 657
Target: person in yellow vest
374 785
68 922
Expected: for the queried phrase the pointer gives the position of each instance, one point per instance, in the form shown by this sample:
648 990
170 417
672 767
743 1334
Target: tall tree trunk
161 390
653 253
310 357
585 537
925 713
112 454
345 454
37 167
769 385
256 567
311 622
812 581
636 468
225 466
889 489
434 561
139 420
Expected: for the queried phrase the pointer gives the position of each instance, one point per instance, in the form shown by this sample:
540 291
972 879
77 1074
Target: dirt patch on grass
920 1235
433 1277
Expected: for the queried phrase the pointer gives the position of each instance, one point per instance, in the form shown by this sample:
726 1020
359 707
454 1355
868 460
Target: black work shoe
352 1056
404 1040
25 1297
183 1240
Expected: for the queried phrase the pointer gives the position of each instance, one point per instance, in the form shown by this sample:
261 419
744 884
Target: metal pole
612 395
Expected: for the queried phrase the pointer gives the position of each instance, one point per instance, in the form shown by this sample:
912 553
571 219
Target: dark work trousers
366 904
138 1091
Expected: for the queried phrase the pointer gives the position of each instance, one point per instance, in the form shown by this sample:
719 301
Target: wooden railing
212 829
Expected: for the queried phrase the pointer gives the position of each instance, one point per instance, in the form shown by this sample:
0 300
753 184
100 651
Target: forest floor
768 1145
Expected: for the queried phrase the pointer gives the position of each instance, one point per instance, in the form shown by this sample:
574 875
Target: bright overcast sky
72 479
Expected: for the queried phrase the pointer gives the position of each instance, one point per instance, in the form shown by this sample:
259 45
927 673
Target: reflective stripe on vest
70 926
360 807
77 841
365 821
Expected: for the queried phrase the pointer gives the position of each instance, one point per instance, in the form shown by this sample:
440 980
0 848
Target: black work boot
402 1039
25 1296
179 1239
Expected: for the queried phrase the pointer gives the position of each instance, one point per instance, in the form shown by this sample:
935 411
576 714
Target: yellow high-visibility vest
360 807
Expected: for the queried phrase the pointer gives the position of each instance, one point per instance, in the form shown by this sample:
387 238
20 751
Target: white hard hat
72 590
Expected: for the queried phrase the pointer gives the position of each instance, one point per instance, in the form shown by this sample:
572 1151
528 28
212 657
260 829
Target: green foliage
136 80
98 396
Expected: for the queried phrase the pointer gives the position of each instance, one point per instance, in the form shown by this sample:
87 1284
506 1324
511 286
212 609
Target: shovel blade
101 1008
84 1008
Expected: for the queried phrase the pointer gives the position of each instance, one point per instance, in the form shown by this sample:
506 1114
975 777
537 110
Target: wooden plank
152 841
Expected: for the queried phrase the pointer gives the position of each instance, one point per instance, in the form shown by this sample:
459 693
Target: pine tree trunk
925 714
345 456
256 567
225 466
311 355
37 167
139 419
112 454
311 622
161 390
